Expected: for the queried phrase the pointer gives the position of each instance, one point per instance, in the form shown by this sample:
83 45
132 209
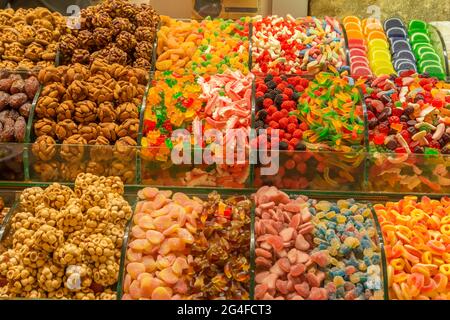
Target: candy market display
64 243
221 102
403 57
315 250
117 31
428 59
323 117
29 38
416 238
408 122
358 51
182 247
78 106
203 47
297 46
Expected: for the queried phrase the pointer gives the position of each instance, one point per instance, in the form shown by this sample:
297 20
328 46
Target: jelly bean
419 272
297 46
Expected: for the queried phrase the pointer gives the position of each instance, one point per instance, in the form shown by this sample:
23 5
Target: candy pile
359 64
78 105
297 46
427 59
444 29
379 55
117 31
332 112
29 38
187 248
277 96
417 235
66 244
205 47
408 114
315 250
17 92
346 231
401 50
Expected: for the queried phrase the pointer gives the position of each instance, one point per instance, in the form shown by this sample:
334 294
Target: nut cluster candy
29 38
313 250
187 248
17 92
297 46
416 239
203 47
64 243
98 106
116 31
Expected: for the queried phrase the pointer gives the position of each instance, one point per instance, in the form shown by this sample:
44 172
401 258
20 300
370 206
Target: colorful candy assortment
315 250
203 47
408 131
186 248
359 64
379 55
297 46
417 237
221 102
401 50
408 114
427 58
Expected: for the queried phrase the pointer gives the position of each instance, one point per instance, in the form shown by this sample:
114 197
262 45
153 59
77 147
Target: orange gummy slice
351 19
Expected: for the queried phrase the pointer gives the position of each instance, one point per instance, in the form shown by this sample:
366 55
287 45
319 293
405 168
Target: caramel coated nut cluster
29 38
64 243
116 31
17 92
79 106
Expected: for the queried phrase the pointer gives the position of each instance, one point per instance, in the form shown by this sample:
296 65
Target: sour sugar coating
185 248
297 46
203 47
358 50
285 266
346 232
416 236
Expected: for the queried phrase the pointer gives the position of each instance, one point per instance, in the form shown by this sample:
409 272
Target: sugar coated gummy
416 239
315 250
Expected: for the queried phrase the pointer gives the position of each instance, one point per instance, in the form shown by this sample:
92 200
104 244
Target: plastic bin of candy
188 246
66 241
7 203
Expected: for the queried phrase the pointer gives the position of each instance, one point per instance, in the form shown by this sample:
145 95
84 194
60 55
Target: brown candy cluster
116 31
66 244
80 105
29 37
17 92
